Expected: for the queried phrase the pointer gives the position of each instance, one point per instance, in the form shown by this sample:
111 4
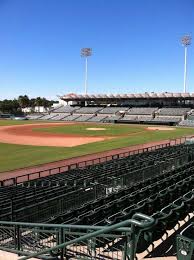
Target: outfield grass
16 156
82 129
21 122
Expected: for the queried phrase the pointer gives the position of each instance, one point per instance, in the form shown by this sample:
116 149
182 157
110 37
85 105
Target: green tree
23 101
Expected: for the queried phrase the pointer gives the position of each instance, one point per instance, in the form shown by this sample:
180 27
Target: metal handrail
145 223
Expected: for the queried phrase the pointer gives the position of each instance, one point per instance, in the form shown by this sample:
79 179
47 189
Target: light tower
186 41
85 53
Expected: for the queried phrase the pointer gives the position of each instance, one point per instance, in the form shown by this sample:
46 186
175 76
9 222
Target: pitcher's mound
95 129
161 128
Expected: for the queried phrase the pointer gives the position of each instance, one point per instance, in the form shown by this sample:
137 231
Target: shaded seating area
185 243
141 111
113 110
88 110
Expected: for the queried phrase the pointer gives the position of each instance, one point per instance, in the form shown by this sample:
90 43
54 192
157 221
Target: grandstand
135 199
148 108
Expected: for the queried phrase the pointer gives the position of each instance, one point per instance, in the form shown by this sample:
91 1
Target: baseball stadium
103 177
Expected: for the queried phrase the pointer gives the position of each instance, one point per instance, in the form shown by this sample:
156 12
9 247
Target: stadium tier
113 110
84 118
157 183
47 117
71 117
123 173
98 118
111 119
118 114
141 111
166 119
60 116
65 109
189 123
173 111
34 116
88 110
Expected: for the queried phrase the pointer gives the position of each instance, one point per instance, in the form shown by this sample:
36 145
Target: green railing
46 241
83 164
42 211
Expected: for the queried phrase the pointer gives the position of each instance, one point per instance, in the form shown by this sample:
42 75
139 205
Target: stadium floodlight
186 41
85 53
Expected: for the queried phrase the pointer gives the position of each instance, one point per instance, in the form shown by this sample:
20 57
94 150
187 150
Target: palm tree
38 102
23 101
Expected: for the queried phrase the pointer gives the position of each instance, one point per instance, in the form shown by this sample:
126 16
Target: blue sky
136 46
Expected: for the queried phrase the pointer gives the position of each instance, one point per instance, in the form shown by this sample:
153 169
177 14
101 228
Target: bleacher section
98 118
65 109
166 119
113 110
60 116
149 115
88 110
141 111
71 117
128 119
48 116
157 183
34 116
65 191
111 119
84 118
191 116
173 111
189 123
146 119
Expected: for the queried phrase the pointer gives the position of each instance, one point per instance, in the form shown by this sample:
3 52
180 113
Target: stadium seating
39 200
60 116
158 183
141 111
65 109
34 116
145 119
98 118
185 243
71 117
173 111
48 116
166 119
112 110
88 110
189 123
111 119
84 118
145 115
191 116
128 119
